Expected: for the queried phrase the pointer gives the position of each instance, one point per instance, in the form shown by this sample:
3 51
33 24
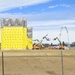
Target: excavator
61 45
39 44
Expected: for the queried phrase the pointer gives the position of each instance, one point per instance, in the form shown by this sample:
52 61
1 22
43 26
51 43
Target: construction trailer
14 34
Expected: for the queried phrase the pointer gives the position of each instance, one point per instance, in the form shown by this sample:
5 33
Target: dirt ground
44 62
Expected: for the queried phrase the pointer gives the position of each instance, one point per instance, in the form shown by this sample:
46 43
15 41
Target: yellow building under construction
14 35
29 35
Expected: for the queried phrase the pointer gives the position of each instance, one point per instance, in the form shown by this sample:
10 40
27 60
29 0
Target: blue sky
45 16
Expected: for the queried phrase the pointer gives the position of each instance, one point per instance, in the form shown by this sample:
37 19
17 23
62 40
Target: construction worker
62 45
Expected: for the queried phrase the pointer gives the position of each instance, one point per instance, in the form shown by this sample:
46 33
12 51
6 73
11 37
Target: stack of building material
29 34
14 34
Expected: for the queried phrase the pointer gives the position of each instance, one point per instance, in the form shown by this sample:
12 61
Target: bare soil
47 62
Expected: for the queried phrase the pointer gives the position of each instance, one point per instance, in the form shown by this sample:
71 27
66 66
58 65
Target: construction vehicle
61 44
39 44
35 45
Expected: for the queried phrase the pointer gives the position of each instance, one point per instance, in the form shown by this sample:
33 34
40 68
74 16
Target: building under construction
15 35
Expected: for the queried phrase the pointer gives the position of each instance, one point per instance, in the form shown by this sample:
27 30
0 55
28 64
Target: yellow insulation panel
30 46
14 38
24 38
0 38
0 35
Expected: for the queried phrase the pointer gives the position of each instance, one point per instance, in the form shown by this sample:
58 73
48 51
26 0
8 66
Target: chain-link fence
54 64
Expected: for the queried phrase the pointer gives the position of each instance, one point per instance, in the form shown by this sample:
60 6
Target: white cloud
54 33
69 23
8 4
53 6
65 5
51 34
49 22
44 16
61 5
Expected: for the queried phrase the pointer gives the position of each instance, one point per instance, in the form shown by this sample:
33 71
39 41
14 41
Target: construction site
20 54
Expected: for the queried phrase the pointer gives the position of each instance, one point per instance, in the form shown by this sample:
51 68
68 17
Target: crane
39 44
61 45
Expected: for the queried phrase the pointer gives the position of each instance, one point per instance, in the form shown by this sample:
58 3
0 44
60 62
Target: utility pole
2 64
62 63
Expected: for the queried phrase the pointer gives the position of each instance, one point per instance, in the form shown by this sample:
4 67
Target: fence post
2 64
62 63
